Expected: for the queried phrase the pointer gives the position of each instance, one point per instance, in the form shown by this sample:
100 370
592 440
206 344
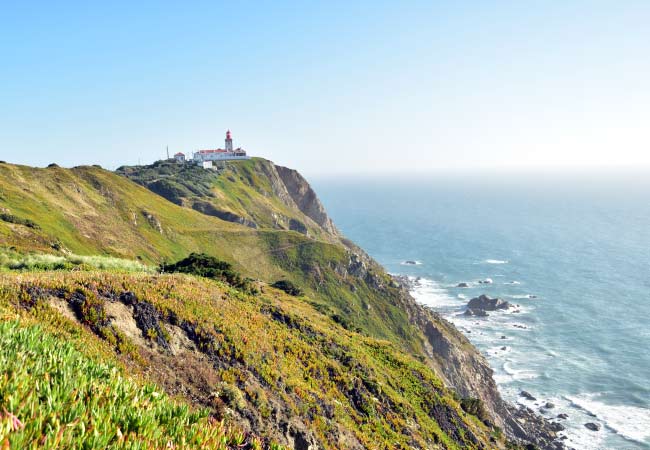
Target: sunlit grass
43 261
280 351
51 395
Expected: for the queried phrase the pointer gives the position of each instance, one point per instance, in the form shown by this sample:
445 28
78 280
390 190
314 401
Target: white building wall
199 157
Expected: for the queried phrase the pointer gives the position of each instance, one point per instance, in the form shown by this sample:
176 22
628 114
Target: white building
220 154
179 157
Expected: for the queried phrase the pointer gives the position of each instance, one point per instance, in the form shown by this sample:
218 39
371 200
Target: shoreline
571 416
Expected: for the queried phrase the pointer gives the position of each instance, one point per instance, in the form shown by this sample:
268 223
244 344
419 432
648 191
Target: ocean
570 250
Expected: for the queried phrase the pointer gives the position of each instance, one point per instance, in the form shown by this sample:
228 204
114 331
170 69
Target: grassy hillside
271 363
248 192
91 211
354 357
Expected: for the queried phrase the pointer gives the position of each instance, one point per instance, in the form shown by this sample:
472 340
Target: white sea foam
495 261
631 422
519 374
429 293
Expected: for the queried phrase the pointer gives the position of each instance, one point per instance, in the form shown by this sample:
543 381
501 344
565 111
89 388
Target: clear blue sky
328 87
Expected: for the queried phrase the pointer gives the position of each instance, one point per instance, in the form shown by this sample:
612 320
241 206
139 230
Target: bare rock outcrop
305 198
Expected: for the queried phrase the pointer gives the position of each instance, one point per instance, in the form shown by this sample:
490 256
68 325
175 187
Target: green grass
53 396
273 349
42 261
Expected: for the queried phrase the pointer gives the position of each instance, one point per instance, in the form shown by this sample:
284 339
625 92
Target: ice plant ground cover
54 396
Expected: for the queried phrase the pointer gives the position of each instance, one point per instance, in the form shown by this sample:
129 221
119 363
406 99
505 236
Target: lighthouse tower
228 141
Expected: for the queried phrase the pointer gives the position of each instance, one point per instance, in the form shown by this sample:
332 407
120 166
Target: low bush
209 267
6 217
288 287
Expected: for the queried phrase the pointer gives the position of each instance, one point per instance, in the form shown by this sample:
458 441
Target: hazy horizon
330 88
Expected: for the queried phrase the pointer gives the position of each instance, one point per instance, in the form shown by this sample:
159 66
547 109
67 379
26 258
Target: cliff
359 356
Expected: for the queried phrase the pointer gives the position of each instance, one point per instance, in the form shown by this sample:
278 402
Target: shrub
288 287
209 267
474 406
18 220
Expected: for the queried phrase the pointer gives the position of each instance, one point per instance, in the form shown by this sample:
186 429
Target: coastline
519 422
570 417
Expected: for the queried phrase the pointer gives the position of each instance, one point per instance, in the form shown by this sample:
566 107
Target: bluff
269 224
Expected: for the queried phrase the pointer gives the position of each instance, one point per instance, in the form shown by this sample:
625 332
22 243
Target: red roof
179 154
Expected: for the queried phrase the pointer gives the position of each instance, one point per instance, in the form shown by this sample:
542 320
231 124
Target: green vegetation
52 395
17 220
209 267
259 351
288 287
332 345
10 260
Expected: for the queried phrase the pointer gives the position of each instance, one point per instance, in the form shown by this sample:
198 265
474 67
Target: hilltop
354 361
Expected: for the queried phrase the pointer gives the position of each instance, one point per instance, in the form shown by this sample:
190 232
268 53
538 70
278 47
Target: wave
631 422
519 374
495 261
429 293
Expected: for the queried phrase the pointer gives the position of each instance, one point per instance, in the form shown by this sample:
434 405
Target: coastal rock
549 405
488 304
563 416
592 426
410 262
302 195
527 395
462 285
476 312
486 281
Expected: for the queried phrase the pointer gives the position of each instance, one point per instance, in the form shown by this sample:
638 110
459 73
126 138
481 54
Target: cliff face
305 198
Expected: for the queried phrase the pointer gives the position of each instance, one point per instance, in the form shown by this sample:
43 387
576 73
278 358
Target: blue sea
571 250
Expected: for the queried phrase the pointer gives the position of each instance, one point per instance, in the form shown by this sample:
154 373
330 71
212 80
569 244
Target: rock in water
486 281
462 285
410 263
488 304
592 426
527 395
477 312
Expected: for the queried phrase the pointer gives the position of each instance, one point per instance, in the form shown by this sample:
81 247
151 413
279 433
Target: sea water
570 250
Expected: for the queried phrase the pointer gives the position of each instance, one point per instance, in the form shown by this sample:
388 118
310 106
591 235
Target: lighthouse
220 154
228 142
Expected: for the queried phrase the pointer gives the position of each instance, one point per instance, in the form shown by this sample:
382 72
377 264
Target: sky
329 87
